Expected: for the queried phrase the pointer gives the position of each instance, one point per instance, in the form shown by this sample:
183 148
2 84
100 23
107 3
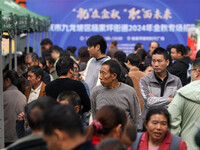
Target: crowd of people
103 99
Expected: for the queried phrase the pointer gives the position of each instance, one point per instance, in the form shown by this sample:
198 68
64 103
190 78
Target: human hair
109 117
180 48
50 59
152 42
18 81
46 41
131 130
158 110
36 70
114 67
144 66
83 54
55 48
114 42
72 49
138 45
120 56
198 54
64 53
33 56
196 63
63 65
63 118
134 59
71 96
197 138
35 111
111 144
142 53
161 51
42 61
97 39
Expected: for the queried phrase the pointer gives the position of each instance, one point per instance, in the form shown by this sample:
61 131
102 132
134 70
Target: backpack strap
137 141
175 142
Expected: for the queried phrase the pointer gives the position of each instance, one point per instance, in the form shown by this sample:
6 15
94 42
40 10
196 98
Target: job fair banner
127 21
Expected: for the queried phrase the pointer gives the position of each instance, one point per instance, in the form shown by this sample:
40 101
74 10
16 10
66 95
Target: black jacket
179 69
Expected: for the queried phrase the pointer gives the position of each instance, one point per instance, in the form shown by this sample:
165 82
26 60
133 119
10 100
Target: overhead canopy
15 18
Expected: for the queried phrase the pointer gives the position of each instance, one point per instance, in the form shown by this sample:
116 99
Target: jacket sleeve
175 109
151 101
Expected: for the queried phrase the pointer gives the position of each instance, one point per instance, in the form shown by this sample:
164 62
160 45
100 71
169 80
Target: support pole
34 42
28 36
15 58
10 53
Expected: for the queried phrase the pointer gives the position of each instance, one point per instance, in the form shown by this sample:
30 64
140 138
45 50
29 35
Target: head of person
152 46
31 59
113 44
147 68
130 133
157 123
120 56
65 66
42 62
138 46
11 77
55 51
178 51
83 54
35 111
133 60
71 49
198 54
46 44
195 70
62 128
26 50
35 75
160 60
49 62
109 73
143 55
110 122
70 98
111 144
96 46
76 74
188 51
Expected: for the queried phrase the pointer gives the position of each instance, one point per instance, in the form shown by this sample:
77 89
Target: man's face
55 55
152 47
93 51
45 47
175 55
106 77
193 73
53 143
32 79
159 63
29 62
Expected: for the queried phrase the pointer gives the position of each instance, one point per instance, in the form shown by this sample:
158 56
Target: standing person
112 49
46 44
157 136
159 87
14 103
185 108
36 87
97 48
137 47
65 71
63 130
113 92
83 56
152 46
180 66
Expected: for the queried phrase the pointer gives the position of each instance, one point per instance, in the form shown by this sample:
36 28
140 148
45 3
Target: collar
37 89
159 80
154 80
100 58
134 68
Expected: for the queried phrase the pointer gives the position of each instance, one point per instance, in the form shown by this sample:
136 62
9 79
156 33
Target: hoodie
185 111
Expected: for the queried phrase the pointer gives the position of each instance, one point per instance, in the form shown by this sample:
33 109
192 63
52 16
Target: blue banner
128 21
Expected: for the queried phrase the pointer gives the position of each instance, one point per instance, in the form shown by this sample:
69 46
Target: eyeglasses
189 71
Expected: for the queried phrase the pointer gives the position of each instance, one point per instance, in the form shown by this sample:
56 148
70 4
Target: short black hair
120 56
37 70
55 48
42 61
63 118
114 42
134 59
158 110
63 65
50 59
72 49
35 111
46 41
180 48
98 39
111 144
114 67
196 63
161 51
83 53
142 53
138 45
33 56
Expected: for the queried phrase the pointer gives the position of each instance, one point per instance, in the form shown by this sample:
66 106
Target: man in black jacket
181 62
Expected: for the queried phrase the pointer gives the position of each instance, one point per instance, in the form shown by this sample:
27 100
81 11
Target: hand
151 95
170 99
21 116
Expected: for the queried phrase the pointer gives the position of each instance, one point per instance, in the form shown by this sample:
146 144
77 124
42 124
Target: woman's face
148 70
157 127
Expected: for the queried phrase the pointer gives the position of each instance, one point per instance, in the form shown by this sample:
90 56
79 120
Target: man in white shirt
37 87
